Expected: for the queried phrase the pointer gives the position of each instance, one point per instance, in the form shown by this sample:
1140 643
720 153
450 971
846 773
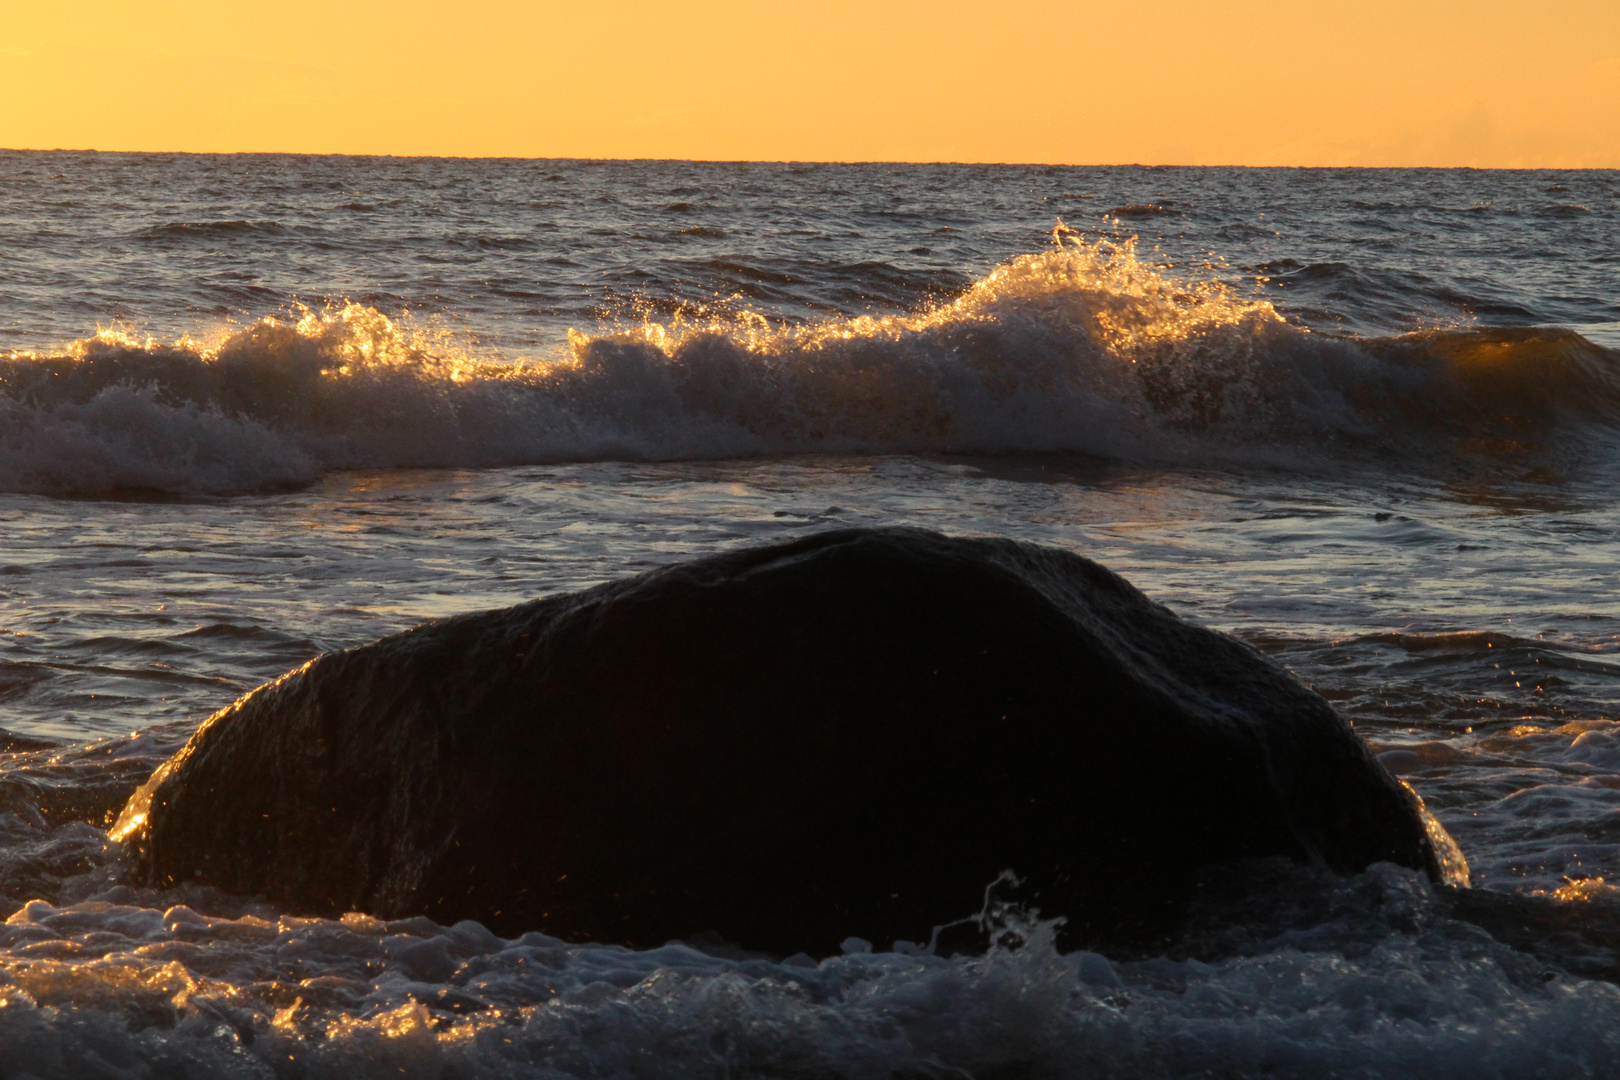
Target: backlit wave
1083 347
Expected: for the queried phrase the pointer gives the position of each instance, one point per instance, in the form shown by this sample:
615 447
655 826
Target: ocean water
253 408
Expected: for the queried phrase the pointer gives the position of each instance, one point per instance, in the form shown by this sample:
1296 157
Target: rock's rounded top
846 735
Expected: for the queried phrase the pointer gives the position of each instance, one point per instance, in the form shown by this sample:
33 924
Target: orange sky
1330 82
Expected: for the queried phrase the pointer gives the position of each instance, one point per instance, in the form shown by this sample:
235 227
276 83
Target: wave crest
1082 347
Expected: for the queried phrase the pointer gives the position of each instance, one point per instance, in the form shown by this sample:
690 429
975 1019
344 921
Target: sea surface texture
253 408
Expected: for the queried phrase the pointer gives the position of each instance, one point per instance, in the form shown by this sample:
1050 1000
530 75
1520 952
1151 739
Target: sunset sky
1336 82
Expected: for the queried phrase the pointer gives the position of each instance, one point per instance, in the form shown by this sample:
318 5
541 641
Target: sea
254 408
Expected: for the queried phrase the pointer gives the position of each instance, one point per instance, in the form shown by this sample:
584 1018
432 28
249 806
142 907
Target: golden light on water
1583 890
1487 83
1121 302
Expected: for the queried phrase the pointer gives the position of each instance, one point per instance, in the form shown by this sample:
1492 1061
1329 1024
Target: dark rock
847 735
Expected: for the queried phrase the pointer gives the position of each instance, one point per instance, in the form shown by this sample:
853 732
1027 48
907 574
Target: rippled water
1364 420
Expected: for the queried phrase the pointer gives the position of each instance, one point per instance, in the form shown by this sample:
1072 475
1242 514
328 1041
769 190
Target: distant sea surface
254 408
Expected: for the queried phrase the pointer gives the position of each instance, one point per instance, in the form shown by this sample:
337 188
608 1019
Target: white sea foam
121 986
1369 975
1080 348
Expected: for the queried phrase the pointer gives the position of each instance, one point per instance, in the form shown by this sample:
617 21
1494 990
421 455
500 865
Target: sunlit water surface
1421 527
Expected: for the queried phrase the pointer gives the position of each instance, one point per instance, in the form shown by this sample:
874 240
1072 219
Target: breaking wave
1083 347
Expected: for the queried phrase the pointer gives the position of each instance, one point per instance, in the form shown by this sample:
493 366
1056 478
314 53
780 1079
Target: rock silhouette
848 734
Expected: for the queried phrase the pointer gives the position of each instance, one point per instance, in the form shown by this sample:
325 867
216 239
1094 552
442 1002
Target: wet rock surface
847 735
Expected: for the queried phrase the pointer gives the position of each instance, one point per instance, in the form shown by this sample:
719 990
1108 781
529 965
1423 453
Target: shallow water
1421 527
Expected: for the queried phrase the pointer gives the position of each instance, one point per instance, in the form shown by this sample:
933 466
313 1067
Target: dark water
256 408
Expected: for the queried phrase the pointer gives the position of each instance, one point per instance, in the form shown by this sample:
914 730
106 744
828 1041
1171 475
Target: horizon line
798 161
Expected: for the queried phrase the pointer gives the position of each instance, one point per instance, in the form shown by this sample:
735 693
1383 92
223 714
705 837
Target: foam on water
130 983
1300 973
1083 347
